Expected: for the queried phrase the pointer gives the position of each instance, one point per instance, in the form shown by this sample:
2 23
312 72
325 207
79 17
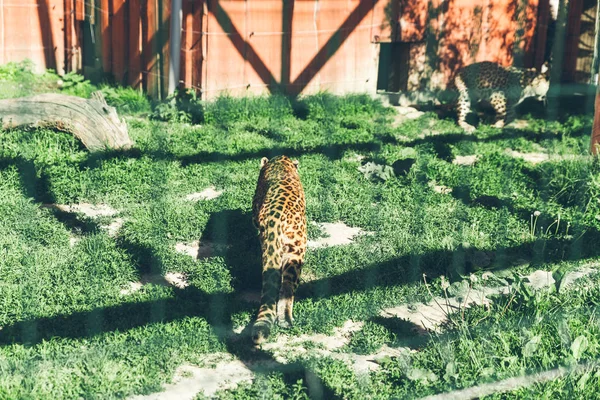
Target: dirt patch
131 288
190 380
113 228
175 279
440 188
540 279
533 158
209 193
198 250
431 316
363 364
337 233
191 249
87 209
465 160
322 345
404 114
519 124
286 346
92 211
355 158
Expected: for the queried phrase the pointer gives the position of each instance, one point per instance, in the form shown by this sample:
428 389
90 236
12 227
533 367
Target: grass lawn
88 312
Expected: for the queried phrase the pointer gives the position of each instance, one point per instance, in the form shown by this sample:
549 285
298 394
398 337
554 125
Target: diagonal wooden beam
314 66
246 50
332 46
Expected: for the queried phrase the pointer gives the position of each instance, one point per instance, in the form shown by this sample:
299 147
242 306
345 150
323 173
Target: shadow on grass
441 143
232 236
218 307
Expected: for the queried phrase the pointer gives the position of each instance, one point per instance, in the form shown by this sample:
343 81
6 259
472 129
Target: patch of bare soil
533 158
404 114
174 279
209 193
465 160
198 250
91 211
190 380
440 310
87 209
337 233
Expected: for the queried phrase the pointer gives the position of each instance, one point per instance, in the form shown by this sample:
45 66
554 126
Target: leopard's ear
263 161
295 162
545 68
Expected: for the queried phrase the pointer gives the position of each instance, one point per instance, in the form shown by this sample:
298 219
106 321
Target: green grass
68 332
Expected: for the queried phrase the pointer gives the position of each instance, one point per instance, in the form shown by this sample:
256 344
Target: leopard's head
278 160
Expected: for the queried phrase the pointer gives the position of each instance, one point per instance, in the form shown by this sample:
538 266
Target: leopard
279 215
501 87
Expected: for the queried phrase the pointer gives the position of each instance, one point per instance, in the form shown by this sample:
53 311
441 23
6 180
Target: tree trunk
92 121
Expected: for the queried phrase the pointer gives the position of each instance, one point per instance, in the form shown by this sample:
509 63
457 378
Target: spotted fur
502 87
278 210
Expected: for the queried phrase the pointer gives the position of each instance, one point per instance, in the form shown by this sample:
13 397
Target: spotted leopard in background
278 210
503 87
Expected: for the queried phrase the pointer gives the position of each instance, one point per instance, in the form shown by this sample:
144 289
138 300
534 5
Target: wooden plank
202 68
541 32
165 44
185 66
134 71
68 29
80 10
105 35
572 40
149 49
191 44
528 38
119 38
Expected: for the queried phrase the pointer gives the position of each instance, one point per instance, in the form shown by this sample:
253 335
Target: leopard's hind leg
499 103
464 105
291 271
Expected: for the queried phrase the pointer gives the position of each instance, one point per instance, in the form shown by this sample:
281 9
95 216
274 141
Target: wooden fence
301 46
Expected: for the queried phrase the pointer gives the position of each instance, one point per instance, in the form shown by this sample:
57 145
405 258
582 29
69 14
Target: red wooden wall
260 46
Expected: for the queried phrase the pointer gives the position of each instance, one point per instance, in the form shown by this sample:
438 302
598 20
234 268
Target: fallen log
92 120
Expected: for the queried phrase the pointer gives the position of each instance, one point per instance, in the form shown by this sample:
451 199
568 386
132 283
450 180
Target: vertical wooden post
191 43
164 42
572 39
134 74
119 39
106 35
68 29
149 49
595 139
541 32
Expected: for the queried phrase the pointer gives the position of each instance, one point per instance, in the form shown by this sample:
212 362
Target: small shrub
181 106
127 100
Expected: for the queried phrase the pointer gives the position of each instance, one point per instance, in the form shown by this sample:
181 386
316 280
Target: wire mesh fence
440 264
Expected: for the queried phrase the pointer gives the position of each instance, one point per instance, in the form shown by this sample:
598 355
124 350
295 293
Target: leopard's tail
271 283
